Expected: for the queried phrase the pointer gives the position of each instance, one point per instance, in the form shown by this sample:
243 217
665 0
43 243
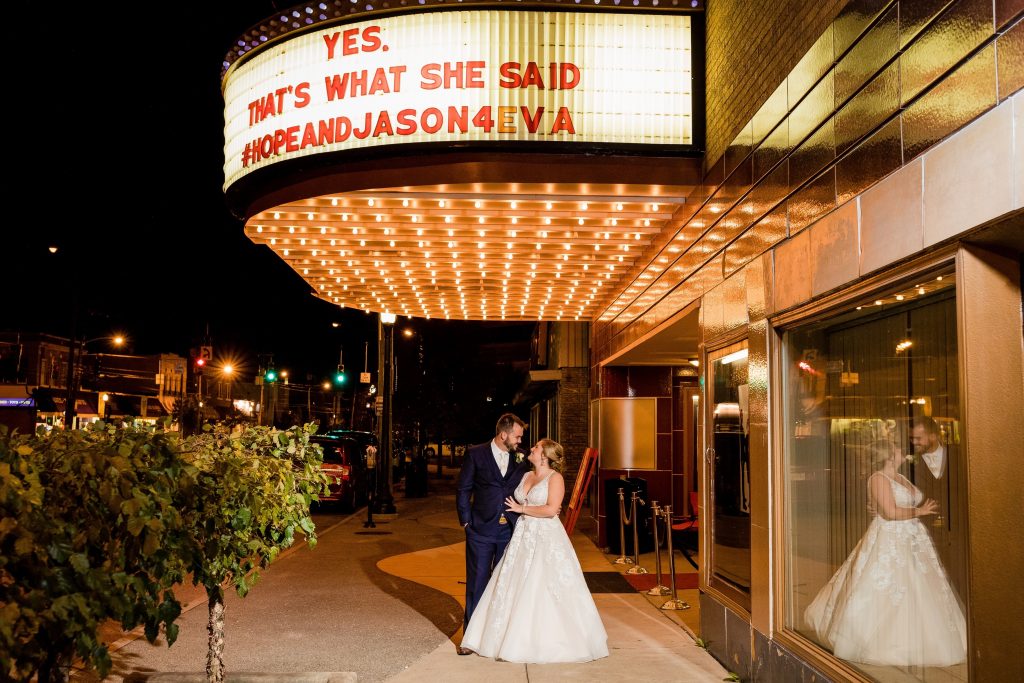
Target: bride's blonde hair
552 450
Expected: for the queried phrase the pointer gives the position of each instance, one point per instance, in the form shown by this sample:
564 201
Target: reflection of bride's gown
891 603
537 608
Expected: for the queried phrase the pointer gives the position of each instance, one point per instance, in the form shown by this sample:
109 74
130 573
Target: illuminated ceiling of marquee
480 251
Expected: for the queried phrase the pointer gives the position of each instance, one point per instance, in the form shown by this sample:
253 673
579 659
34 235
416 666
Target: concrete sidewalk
644 642
386 604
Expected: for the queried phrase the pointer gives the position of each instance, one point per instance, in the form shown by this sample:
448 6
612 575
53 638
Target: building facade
805 293
852 269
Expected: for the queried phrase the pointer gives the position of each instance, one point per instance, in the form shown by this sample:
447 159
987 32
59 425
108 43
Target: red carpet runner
644 582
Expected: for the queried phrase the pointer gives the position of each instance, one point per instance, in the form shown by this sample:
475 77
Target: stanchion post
636 568
655 519
622 531
675 603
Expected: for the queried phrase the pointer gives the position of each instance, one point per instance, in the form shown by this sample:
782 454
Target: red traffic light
200 362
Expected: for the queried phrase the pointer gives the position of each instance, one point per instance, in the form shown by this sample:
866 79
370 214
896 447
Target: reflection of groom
937 477
490 473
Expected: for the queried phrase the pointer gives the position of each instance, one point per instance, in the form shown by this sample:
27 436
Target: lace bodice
903 496
538 495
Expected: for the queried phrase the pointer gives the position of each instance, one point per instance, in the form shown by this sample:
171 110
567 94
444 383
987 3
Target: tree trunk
57 666
215 633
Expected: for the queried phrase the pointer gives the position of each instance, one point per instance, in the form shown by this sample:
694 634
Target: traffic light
200 364
339 376
270 376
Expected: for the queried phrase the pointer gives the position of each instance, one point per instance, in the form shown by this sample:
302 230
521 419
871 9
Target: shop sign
462 76
17 403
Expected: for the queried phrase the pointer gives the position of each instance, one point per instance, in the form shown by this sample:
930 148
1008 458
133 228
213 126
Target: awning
151 407
82 406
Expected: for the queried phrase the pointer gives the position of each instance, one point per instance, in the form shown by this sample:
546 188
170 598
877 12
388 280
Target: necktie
503 463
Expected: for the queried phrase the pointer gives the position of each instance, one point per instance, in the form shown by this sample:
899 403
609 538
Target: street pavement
386 604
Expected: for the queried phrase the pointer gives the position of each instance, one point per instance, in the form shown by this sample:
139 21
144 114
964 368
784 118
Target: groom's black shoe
463 651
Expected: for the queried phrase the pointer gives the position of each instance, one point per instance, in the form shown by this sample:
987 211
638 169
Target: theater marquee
462 76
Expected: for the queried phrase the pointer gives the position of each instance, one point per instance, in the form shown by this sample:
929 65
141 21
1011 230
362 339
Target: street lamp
227 371
387 333
72 381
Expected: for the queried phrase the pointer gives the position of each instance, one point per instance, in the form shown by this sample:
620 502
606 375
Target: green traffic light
270 376
339 378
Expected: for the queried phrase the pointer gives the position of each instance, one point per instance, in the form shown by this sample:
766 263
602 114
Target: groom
937 475
490 473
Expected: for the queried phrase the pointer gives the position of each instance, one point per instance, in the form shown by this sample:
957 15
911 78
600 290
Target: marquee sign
462 76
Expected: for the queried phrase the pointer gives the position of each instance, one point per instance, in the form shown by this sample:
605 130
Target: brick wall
751 47
573 416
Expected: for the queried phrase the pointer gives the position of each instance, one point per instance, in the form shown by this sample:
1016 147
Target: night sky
117 151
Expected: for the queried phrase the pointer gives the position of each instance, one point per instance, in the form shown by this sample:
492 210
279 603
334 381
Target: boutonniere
519 457
910 458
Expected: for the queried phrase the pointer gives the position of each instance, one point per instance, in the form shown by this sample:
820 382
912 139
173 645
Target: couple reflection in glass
891 602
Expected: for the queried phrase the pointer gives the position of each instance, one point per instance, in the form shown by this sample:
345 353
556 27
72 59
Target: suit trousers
482 554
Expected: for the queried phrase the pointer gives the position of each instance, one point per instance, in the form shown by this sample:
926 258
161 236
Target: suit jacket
947 527
482 490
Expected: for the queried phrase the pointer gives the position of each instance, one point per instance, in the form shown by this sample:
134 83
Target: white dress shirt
936 461
500 457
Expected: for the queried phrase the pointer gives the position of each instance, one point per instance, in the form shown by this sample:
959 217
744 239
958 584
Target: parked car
345 465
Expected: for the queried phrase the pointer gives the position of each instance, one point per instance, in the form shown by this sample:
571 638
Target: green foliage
89 531
251 496
99 524
733 676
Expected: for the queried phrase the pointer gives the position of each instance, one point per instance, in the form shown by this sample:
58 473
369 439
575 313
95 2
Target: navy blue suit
480 501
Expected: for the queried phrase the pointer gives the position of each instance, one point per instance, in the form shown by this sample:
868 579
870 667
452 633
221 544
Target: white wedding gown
536 608
891 603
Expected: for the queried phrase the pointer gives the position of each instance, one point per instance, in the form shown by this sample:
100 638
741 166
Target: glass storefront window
875 561
729 461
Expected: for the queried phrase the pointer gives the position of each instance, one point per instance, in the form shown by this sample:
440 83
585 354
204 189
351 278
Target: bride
536 608
891 603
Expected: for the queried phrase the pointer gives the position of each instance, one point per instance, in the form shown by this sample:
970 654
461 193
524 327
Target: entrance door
728 460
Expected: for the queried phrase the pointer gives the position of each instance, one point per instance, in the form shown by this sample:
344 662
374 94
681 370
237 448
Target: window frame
817 310
723 590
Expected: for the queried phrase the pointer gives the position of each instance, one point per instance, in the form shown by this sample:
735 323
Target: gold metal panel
815 199
758 279
739 149
870 53
815 108
957 169
627 433
734 301
772 150
813 154
815 62
963 96
792 276
711 308
943 43
891 226
834 248
1010 56
760 472
870 161
768 116
757 240
770 191
989 329
879 100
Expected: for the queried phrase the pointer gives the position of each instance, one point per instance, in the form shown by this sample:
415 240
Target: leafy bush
89 531
99 524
